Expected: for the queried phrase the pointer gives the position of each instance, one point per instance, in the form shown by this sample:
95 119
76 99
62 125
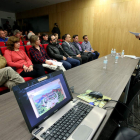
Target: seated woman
18 58
40 56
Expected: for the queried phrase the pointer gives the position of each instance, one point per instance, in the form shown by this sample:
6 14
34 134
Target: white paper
56 62
136 34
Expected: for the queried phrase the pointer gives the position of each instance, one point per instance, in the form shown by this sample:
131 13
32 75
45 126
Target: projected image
46 97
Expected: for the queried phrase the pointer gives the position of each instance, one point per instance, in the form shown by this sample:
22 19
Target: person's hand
64 58
92 51
25 68
138 36
54 60
30 68
48 62
85 51
78 55
70 57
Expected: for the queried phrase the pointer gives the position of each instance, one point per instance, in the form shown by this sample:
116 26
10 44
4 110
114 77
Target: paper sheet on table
132 56
56 63
89 99
136 34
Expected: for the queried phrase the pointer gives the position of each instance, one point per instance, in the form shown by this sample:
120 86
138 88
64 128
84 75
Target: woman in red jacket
18 58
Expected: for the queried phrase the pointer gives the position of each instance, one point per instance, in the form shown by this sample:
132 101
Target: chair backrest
27 50
22 48
2 44
80 42
45 46
60 40
21 43
4 48
25 42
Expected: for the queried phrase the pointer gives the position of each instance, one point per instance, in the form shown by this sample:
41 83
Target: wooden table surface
110 82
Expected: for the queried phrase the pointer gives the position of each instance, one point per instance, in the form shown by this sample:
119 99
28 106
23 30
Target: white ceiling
23 5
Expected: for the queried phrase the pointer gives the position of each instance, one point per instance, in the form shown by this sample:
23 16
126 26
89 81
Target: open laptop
50 112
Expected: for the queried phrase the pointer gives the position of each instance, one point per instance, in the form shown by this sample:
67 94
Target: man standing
81 50
56 30
70 49
7 26
87 47
2 37
55 51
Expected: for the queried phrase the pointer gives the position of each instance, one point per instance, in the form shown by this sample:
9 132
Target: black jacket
56 51
44 42
69 50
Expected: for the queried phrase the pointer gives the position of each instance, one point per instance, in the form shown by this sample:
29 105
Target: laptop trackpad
82 133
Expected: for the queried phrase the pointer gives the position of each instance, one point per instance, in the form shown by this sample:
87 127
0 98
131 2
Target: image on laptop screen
39 100
44 98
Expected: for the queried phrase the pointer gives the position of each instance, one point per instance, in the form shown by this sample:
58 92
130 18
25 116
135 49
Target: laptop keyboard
63 128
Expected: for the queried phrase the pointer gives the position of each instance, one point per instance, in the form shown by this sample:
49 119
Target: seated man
87 47
63 38
55 51
70 49
8 77
81 50
56 37
29 36
6 34
44 38
17 34
2 37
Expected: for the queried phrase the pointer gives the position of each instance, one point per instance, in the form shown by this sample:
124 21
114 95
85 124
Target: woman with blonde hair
40 56
17 58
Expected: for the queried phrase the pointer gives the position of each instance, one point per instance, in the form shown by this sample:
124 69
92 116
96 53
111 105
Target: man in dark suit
55 51
81 50
70 49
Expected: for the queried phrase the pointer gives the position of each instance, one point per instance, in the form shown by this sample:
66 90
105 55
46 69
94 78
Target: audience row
70 54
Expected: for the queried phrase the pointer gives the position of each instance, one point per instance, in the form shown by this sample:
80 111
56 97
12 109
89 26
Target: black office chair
121 113
124 133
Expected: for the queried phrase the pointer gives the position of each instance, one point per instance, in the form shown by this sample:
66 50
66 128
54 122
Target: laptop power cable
107 100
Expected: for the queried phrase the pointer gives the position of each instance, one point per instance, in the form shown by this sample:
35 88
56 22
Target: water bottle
112 52
122 54
116 58
105 62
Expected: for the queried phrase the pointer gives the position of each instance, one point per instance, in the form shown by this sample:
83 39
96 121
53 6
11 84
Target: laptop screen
39 100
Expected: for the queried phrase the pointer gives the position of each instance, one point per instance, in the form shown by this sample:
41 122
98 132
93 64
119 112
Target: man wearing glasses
55 51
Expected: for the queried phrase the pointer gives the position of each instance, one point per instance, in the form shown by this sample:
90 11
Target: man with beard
55 51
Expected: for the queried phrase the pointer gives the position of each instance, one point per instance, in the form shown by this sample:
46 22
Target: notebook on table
50 113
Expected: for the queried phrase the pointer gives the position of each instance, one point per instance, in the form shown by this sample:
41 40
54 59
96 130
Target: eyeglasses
54 39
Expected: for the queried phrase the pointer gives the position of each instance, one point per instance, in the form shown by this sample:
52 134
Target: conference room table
110 82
